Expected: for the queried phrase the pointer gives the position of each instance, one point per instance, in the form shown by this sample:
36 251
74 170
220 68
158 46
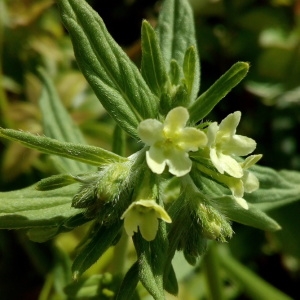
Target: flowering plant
179 191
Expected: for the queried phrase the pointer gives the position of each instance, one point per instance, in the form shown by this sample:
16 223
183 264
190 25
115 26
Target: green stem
254 286
212 272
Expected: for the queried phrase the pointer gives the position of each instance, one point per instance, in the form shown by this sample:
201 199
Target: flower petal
242 202
159 210
236 186
215 160
176 119
156 160
250 161
251 182
149 225
150 131
212 133
230 165
239 145
190 139
179 163
230 123
131 221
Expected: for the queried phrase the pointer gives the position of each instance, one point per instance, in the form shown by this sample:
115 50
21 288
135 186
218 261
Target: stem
254 286
212 272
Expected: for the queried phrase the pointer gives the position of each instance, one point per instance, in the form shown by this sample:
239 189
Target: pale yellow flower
170 142
247 183
144 214
224 145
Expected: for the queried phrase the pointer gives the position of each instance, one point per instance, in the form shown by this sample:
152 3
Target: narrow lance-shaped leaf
28 208
114 78
189 66
55 182
153 66
230 208
101 239
277 188
87 154
209 99
129 283
251 217
58 125
176 34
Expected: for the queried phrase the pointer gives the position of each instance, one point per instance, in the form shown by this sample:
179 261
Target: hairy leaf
87 154
27 208
153 67
210 98
59 125
114 78
176 34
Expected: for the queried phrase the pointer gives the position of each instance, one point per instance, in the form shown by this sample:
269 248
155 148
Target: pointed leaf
129 283
251 217
59 125
101 239
55 182
176 34
87 154
209 99
114 78
189 67
153 67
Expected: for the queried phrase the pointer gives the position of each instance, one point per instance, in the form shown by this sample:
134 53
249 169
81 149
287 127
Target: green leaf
114 78
175 72
87 154
189 71
101 238
176 34
277 188
119 141
27 208
129 283
43 234
209 99
153 67
59 125
171 284
147 274
55 182
252 217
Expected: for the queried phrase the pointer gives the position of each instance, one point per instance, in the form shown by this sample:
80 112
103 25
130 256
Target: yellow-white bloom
224 145
144 214
170 142
247 183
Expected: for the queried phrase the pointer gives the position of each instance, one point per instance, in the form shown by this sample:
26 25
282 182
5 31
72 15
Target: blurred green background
265 33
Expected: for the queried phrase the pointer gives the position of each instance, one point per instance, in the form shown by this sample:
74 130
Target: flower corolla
247 183
144 214
170 142
224 145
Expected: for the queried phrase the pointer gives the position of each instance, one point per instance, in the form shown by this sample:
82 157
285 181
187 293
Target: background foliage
265 33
